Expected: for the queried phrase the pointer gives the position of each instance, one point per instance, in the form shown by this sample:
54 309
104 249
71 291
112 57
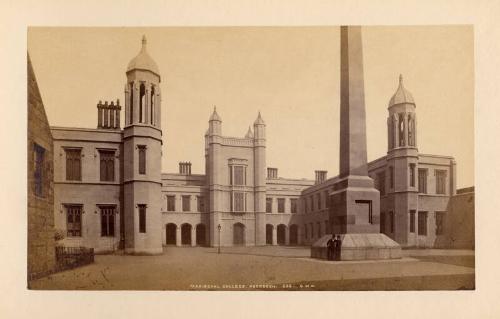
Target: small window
281 205
142 159
391 177
269 205
293 205
392 221
201 203
142 218
319 229
39 162
107 165
412 221
305 232
108 221
327 201
186 203
440 181
73 164
440 217
381 183
311 226
412 175
422 180
382 222
74 220
422 223
171 203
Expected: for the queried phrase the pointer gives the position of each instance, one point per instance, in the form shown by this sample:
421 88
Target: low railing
72 257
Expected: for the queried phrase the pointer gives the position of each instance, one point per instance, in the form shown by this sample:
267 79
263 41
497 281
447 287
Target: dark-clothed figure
330 248
338 253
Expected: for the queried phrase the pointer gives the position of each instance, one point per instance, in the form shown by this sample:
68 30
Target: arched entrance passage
186 234
200 235
281 234
238 234
294 235
171 234
269 234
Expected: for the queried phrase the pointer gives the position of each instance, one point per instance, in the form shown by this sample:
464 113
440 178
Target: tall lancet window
411 124
401 128
142 103
390 129
131 103
152 114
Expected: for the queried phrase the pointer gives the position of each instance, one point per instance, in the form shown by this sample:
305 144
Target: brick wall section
41 243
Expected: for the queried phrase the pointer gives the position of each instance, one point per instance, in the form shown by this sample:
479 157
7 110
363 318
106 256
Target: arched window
152 114
390 133
131 88
142 102
401 128
411 131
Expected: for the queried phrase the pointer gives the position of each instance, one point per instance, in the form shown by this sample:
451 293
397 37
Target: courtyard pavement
266 268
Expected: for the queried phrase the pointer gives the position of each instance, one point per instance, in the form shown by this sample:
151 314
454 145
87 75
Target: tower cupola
402 95
143 60
402 119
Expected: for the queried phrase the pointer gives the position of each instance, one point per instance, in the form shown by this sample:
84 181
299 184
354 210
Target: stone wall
41 243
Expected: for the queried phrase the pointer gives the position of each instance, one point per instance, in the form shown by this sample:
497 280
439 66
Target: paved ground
267 268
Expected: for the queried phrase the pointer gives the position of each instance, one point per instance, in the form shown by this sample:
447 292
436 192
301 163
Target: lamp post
218 248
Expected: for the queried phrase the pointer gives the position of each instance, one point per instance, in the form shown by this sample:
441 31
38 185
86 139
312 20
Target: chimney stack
185 168
108 115
320 176
272 173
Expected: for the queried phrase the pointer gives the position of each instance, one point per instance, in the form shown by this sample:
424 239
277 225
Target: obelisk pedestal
355 203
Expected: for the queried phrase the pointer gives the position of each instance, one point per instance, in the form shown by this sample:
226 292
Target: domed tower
142 142
402 160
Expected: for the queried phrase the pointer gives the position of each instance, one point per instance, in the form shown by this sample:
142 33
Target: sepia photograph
243 158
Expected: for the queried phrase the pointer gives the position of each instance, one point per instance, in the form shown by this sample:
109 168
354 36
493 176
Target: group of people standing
334 247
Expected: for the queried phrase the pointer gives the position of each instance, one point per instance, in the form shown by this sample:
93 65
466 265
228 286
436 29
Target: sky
290 74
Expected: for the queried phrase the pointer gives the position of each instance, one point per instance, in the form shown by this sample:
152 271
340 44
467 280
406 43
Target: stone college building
110 193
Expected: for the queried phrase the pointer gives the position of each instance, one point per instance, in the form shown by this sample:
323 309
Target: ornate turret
401 122
215 123
142 91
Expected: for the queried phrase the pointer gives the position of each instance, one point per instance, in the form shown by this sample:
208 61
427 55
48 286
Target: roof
215 116
259 120
143 61
402 95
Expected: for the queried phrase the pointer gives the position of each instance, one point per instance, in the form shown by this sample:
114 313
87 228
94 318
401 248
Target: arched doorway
238 234
186 234
171 234
200 235
269 234
281 234
294 235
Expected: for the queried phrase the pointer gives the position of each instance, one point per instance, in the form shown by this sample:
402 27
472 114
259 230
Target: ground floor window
108 221
142 218
74 220
392 221
440 216
412 221
422 223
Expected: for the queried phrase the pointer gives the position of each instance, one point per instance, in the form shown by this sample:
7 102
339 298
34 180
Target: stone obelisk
355 203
